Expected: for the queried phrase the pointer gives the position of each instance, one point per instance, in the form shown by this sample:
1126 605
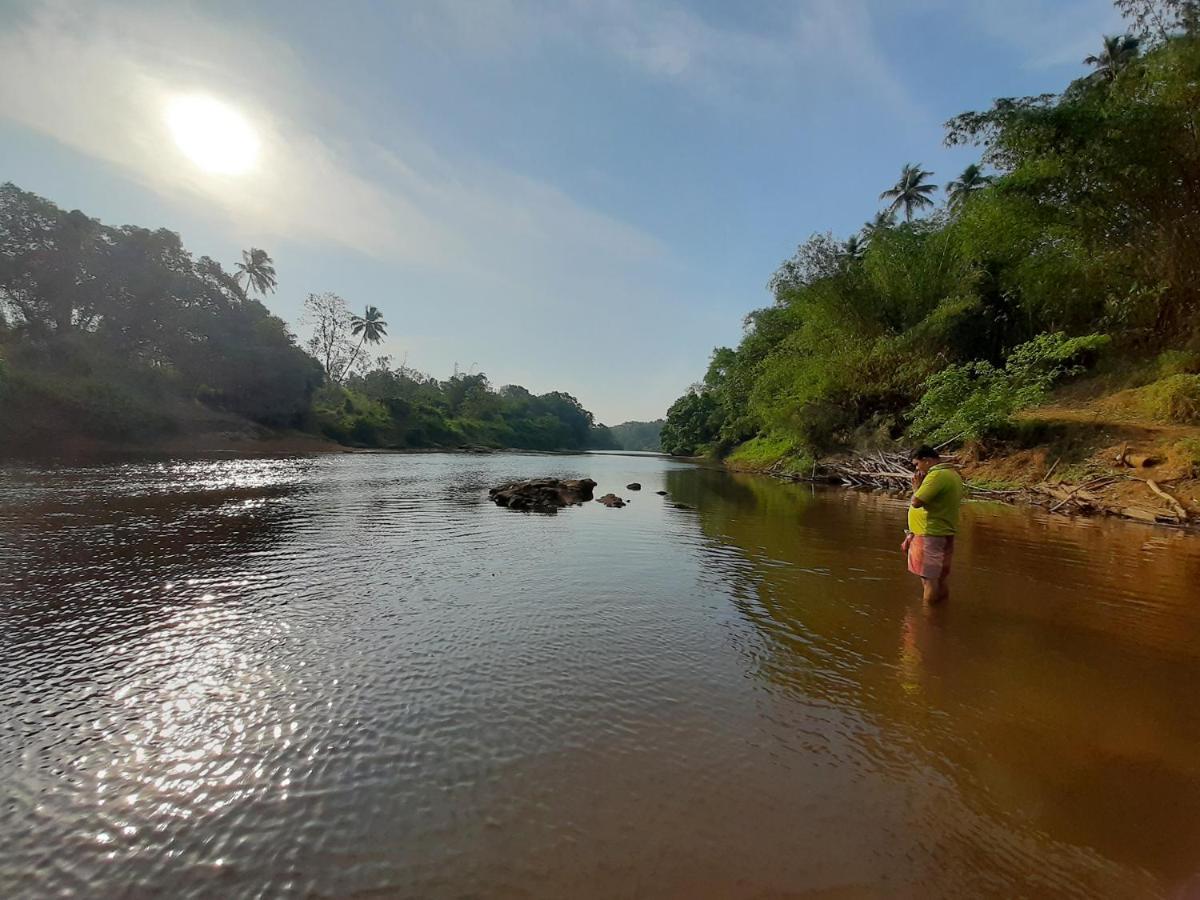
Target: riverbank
1092 458
237 439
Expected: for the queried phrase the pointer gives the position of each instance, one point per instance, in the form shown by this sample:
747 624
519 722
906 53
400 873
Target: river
351 675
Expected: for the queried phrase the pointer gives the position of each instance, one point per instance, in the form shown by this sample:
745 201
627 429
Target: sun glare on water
214 136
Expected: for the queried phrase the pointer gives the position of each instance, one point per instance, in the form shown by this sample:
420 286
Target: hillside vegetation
119 337
1070 254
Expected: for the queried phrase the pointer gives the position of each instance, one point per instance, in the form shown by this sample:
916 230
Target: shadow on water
1056 686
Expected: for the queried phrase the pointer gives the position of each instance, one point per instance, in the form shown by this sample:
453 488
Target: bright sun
216 137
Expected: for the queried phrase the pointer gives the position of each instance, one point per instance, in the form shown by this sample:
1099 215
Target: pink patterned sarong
930 556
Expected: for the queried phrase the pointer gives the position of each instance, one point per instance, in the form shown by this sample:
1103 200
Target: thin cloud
662 40
98 79
1049 33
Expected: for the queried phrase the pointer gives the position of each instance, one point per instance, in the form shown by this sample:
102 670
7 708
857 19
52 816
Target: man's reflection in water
922 646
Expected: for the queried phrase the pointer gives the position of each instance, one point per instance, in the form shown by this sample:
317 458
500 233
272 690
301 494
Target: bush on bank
943 327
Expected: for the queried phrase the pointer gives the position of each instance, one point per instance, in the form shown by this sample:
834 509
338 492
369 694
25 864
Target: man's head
924 458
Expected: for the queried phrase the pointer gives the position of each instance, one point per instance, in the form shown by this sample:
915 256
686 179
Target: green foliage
693 423
1187 451
419 411
975 400
121 334
1178 362
1090 224
124 327
772 453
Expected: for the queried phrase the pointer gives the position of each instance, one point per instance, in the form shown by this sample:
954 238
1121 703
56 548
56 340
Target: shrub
1178 362
1187 452
977 399
1174 399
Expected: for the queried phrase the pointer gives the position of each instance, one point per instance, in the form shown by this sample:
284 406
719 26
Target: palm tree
258 269
370 328
971 181
853 248
1119 51
910 192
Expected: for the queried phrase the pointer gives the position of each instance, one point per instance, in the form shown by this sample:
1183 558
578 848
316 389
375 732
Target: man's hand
917 478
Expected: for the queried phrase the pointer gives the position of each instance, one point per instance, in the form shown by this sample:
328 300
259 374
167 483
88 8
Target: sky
579 195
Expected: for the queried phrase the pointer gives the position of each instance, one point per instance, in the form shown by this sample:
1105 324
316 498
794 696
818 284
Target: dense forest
121 336
1072 247
638 435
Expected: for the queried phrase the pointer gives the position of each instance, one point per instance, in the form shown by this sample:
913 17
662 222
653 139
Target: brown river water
353 676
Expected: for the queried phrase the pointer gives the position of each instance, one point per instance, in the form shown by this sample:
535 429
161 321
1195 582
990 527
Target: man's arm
925 489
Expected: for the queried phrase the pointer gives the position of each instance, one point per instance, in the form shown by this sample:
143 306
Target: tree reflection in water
1056 686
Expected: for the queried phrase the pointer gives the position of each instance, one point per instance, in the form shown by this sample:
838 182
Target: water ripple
353 674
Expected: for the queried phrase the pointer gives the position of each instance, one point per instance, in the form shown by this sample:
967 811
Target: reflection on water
354 675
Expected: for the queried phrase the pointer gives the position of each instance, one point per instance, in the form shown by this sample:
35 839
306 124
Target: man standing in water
932 522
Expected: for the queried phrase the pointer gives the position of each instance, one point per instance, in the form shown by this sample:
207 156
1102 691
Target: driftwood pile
882 471
1082 498
879 470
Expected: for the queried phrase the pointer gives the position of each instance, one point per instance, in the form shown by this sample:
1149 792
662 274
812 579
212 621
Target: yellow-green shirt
942 493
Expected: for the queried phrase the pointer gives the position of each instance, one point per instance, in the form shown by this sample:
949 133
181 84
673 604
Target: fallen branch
1175 504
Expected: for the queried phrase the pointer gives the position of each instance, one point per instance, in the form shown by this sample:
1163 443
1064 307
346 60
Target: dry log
1136 460
1136 512
1175 504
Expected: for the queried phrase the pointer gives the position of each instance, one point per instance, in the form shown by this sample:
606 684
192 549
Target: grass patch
993 484
772 453
1186 455
1175 399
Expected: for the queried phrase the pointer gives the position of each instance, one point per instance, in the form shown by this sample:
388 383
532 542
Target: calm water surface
353 676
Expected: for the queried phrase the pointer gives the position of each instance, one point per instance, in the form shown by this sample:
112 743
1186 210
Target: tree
818 257
853 249
882 222
257 269
969 182
369 328
1119 51
330 341
692 424
910 192
1158 20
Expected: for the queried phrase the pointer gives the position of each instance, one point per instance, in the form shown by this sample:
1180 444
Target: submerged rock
543 494
633 486
611 500
661 493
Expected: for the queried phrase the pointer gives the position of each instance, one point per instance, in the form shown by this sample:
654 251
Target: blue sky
584 195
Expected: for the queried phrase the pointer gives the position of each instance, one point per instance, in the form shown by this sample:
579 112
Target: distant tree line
120 334
638 435
1075 237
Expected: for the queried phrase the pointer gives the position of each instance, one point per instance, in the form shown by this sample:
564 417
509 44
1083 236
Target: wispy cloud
98 78
1049 33
766 51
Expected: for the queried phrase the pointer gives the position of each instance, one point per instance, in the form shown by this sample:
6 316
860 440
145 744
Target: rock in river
634 486
611 500
543 494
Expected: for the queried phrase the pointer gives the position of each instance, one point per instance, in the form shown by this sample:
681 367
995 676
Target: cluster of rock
543 494
552 494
